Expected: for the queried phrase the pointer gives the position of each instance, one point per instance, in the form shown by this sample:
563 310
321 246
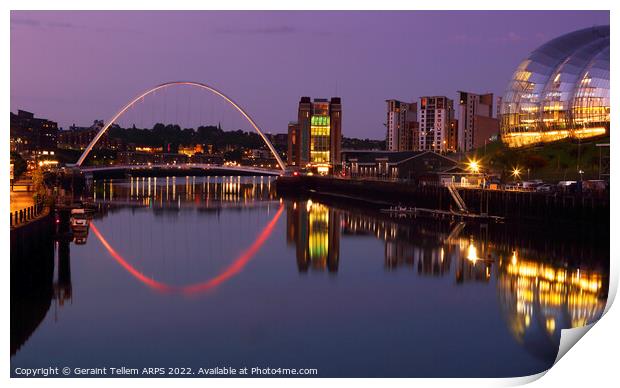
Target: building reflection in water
315 230
63 291
35 288
539 299
538 296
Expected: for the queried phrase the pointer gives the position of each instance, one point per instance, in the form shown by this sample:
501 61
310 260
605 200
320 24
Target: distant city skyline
76 67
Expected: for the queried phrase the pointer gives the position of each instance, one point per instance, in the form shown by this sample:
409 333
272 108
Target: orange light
473 165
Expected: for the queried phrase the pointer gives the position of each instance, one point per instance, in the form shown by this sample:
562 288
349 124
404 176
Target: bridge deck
185 166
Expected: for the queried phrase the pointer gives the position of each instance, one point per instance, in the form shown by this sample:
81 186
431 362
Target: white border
592 363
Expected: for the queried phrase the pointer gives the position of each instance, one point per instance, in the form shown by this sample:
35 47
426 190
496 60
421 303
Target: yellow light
472 253
550 325
473 165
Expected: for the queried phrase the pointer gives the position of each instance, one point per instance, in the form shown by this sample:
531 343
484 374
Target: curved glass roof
560 90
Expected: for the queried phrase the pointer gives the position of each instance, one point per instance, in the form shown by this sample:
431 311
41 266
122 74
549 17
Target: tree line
163 134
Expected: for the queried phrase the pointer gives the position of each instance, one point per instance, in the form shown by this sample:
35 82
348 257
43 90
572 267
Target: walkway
21 200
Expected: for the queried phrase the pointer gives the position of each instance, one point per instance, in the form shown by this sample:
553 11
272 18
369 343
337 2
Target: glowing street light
474 166
516 173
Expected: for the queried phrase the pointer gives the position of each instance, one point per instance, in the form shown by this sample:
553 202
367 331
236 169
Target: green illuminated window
319 139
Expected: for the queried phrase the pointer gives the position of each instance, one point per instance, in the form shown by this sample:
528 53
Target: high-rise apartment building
401 125
436 114
474 109
317 134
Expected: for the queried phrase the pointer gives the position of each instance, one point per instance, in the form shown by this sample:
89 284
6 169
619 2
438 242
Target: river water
207 272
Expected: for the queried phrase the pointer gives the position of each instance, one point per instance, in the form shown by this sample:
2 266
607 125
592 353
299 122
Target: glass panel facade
319 135
561 90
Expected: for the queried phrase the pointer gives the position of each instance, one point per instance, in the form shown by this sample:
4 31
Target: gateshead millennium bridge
201 86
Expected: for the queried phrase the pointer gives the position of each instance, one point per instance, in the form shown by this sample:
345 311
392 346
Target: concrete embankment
27 237
561 207
32 269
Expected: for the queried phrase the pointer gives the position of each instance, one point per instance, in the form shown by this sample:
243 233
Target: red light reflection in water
230 271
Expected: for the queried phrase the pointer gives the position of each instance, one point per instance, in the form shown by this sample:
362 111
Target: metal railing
22 216
457 198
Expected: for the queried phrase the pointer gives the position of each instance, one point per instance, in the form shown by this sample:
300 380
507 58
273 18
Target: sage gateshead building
560 91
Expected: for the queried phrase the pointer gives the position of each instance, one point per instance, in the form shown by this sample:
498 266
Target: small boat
78 219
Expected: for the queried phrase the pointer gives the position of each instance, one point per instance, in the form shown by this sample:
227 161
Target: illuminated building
318 134
561 90
436 113
191 150
475 123
315 230
401 124
149 150
32 134
144 155
394 165
78 138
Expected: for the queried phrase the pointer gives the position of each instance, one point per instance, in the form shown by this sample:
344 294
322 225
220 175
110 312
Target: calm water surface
220 271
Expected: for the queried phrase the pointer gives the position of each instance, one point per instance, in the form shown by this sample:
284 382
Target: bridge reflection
542 287
171 194
233 269
192 192
541 290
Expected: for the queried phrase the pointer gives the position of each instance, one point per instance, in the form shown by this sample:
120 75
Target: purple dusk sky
74 67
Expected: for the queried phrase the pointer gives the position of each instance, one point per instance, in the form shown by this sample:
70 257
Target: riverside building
315 139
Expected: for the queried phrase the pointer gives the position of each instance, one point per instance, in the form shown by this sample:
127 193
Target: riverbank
513 205
592 245
32 269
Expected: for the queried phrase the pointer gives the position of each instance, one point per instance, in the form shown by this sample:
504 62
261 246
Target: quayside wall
515 205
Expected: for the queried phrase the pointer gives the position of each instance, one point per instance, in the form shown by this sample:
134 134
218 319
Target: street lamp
474 166
516 173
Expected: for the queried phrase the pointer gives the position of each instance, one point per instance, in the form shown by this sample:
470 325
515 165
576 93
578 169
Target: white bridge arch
176 83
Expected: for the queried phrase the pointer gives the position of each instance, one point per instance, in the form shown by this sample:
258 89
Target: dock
414 211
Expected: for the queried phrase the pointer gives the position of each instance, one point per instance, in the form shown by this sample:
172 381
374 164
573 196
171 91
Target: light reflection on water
361 285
